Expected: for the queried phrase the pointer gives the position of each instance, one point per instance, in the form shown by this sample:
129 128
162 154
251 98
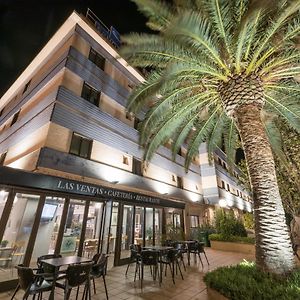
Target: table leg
189 257
55 275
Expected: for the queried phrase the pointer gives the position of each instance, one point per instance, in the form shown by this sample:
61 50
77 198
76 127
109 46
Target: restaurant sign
91 190
52 183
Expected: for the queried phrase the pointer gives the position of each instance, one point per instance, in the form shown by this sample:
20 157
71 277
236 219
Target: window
179 151
137 121
97 59
81 146
26 86
1 111
224 165
2 158
137 167
179 182
219 161
173 178
228 187
90 94
15 118
194 221
129 116
222 184
125 160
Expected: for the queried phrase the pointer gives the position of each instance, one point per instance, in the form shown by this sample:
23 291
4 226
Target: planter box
233 247
214 295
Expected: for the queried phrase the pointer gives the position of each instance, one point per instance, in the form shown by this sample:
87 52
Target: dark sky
27 25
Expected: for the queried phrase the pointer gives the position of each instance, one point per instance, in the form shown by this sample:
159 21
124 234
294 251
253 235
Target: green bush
231 238
248 220
246 282
228 225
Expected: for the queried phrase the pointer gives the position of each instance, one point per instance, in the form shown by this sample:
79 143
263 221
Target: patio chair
76 275
135 253
148 258
45 268
99 270
171 259
182 250
31 283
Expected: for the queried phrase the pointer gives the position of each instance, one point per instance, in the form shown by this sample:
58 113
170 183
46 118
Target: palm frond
231 138
278 23
275 140
287 108
203 130
158 13
192 30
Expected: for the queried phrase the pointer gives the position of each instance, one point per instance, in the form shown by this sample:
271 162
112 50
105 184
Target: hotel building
72 180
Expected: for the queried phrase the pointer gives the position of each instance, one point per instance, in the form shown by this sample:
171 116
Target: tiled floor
121 287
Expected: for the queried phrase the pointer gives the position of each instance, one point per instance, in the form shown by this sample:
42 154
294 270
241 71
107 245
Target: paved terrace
121 287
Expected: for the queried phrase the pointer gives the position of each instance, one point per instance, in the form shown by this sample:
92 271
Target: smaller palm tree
224 68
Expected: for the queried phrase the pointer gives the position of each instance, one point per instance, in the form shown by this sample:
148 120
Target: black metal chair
45 268
31 283
77 275
181 251
135 254
99 270
147 258
171 259
201 250
197 248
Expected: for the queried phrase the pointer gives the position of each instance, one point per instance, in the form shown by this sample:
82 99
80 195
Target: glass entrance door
127 231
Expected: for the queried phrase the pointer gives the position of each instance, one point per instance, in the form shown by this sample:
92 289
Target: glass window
81 146
72 232
97 59
48 228
127 231
158 226
139 225
93 226
3 198
137 167
17 232
26 86
194 221
149 227
90 94
2 158
113 228
15 118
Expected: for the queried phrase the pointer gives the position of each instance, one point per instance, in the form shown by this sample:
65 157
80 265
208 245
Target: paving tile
121 287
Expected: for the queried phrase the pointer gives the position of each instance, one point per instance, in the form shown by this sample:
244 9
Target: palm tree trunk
273 245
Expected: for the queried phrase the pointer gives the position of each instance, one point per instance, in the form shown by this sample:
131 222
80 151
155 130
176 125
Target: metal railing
109 33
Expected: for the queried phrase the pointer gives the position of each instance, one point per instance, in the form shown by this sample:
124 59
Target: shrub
246 282
227 224
248 220
232 238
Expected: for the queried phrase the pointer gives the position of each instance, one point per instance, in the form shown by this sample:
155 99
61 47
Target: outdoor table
161 250
62 261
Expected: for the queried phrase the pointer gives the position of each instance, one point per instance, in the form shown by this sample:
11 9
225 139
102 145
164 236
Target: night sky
27 25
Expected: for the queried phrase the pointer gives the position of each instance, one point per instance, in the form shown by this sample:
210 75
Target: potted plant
4 243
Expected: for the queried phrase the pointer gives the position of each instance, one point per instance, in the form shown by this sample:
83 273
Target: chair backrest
99 269
172 254
134 250
78 274
200 247
45 268
96 257
168 243
25 276
193 246
149 257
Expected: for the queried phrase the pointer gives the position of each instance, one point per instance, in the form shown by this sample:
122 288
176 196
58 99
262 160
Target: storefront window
48 228
127 230
149 227
72 232
139 225
3 198
113 228
93 226
158 226
17 233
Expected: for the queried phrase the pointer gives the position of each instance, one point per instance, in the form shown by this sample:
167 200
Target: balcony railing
109 33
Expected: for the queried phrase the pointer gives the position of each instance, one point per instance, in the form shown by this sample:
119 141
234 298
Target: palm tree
223 69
